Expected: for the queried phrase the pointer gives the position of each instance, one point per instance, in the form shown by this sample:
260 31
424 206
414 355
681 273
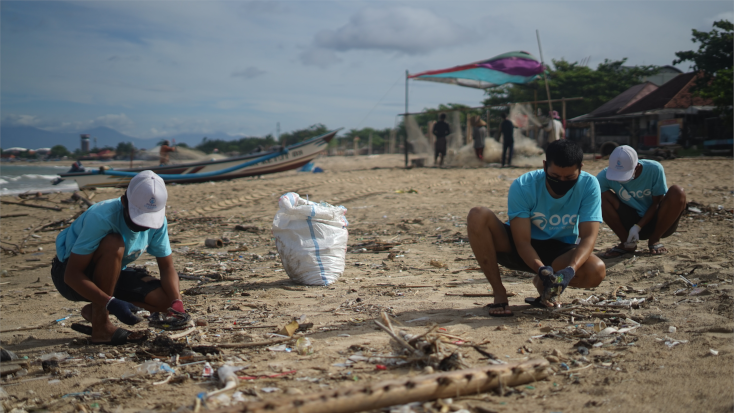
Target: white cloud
395 29
316 56
249 73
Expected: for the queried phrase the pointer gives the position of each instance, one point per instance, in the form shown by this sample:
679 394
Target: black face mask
128 221
558 186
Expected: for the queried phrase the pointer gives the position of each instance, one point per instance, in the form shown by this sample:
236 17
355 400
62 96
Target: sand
641 374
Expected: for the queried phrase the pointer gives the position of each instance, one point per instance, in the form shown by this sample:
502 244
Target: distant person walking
508 139
440 131
166 148
479 133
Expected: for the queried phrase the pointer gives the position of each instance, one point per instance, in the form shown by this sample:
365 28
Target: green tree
571 79
303 134
124 149
714 60
58 151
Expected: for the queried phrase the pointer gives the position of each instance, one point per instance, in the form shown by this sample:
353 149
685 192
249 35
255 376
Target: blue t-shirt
554 218
104 218
638 192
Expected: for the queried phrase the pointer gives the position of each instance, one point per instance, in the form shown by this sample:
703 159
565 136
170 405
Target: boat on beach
261 163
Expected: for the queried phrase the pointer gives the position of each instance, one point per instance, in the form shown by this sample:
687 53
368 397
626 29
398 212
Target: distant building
85 142
663 76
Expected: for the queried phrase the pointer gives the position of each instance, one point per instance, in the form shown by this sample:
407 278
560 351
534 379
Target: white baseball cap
622 164
146 198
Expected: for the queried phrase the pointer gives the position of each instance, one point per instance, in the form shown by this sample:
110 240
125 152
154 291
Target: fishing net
416 138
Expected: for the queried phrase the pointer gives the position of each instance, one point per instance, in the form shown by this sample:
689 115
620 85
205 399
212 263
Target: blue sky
157 68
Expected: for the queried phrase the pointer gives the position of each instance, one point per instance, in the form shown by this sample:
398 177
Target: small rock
294 391
202 323
552 359
501 328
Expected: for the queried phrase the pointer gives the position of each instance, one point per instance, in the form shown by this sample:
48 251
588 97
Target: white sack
311 239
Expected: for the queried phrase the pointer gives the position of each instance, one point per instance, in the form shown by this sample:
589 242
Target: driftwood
31 205
255 343
13 215
351 399
79 197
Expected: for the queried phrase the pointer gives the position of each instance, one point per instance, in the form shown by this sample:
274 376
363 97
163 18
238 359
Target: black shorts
548 250
130 286
440 147
629 218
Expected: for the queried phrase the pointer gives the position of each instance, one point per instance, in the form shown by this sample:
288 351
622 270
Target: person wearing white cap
637 203
93 253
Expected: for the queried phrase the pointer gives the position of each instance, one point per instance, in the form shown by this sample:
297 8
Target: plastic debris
672 329
269 389
713 352
154 367
55 356
303 346
208 370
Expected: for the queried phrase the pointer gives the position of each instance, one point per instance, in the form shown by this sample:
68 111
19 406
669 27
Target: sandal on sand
657 249
535 302
503 306
119 337
617 251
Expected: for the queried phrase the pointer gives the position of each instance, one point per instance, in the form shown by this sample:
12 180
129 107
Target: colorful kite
513 67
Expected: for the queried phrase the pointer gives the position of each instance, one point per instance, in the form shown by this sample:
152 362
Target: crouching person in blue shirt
554 217
92 255
637 203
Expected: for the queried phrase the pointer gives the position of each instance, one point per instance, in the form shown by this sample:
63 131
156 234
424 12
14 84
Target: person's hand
123 311
177 305
544 272
564 276
634 234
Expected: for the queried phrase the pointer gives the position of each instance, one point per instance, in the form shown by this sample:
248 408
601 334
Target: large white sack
311 239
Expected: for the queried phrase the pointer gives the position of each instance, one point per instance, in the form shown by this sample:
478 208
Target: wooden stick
31 205
509 294
79 197
254 343
9 330
349 399
13 215
183 333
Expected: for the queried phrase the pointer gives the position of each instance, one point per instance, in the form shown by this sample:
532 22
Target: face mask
558 186
128 221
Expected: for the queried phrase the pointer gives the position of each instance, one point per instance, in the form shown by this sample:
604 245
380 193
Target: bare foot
103 333
87 312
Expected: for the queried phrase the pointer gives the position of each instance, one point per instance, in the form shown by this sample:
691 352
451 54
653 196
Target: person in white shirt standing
555 128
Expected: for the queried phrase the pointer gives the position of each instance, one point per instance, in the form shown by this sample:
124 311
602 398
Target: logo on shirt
628 195
151 204
619 165
541 221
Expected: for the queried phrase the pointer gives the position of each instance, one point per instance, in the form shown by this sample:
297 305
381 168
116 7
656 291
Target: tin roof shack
648 116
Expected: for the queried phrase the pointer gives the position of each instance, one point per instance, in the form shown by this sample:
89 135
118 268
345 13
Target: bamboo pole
545 78
350 399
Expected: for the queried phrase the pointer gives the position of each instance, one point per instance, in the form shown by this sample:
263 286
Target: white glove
634 235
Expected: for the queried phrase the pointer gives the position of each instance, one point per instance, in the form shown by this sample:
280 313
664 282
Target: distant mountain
33 138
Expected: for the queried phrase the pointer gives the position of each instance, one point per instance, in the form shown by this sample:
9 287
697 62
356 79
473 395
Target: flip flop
535 302
655 249
616 252
503 306
120 336
82 328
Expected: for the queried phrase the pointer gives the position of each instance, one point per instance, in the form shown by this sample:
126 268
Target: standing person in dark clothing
508 141
440 131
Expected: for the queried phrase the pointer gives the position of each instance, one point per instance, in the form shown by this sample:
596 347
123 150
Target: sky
158 68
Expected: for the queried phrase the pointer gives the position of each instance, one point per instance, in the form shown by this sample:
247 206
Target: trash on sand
268 376
672 329
227 378
289 329
303 346
311 239
583 350
713 352
208 370
153 367
55 356
213 243
281 347
438 264
269 389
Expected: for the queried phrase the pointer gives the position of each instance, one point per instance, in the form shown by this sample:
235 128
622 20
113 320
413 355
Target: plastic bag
311 239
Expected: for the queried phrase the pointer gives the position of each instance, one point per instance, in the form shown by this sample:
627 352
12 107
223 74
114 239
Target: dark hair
167 143
442 116
564 153
504 116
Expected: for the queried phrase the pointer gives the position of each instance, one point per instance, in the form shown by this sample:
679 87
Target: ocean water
18 179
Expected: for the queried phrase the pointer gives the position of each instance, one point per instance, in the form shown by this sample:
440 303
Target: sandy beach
428 277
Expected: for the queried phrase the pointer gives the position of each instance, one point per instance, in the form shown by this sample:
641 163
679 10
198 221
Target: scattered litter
713 352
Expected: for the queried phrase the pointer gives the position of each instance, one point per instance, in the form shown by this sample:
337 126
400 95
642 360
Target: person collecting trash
93 253
636 202
554 217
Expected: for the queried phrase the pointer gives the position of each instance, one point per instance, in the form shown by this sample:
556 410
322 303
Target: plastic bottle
303 346
154 366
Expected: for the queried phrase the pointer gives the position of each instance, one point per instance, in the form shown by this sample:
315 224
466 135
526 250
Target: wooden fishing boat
262 163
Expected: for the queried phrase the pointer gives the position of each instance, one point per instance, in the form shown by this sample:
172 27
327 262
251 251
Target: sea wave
27 176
